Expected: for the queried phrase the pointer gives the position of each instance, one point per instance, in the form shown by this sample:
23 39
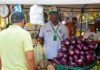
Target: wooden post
5 23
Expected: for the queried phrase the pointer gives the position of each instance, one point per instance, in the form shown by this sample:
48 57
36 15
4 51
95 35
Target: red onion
71 52
77 52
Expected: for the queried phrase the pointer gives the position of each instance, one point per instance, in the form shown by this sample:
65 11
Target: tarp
50 2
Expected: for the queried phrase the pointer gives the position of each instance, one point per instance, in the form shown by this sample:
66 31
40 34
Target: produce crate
64 67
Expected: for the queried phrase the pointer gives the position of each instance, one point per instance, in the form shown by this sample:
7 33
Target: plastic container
64 67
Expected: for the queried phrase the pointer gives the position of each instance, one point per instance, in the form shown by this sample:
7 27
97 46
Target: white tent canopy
50 2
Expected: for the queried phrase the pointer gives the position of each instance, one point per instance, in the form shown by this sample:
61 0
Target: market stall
81 48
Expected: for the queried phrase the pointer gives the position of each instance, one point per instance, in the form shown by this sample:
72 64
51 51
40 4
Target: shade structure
49 2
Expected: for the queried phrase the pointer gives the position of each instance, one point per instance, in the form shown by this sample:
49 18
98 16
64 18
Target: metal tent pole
82 11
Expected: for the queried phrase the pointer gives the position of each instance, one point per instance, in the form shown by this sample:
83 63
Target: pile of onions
75 52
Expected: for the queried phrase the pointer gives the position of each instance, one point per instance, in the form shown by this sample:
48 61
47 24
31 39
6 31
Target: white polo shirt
47 33
95 35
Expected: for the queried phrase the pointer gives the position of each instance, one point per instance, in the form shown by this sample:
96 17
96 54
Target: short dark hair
45 15
67 17
74 18
17 17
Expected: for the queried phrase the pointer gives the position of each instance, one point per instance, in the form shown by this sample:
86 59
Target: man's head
54 16
66 19
74 20
45 17
18 18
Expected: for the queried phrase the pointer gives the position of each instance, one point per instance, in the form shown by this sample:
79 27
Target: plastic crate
64 67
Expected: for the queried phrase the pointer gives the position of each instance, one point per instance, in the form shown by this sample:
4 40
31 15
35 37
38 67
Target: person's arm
66 32
40 39
29 53
85 36
30 60
0 64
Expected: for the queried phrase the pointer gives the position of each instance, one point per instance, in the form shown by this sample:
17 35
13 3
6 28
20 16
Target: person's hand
34 41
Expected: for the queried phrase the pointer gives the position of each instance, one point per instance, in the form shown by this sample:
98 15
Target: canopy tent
74 4
67 5
49 2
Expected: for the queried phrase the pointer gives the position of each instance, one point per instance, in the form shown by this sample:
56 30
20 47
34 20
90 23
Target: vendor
52 33
91 34
74 23
97 24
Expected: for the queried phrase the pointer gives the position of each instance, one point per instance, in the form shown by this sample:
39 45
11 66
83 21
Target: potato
50 67
42 65
38 68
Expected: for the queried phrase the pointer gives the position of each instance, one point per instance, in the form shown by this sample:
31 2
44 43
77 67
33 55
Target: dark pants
98 50
50 60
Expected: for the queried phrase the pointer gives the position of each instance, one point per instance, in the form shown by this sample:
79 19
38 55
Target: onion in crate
92 47
79 46
85 48
71 47
82 57
65 56
71 58
75 57
82 40
64 61
59 55
80 62
79 41
77 52
55 60
63 44
67 42
73 41
82 53
94 57
86 52
64 49
88 58
71 63
71 52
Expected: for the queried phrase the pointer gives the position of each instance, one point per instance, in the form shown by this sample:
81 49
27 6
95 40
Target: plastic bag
39 53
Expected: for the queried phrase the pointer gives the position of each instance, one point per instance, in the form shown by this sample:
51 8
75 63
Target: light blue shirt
50 46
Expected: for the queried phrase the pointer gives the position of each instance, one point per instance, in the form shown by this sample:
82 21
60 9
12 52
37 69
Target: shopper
91 34
51 34
71 25
16 51
65 20
97 24
74 22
